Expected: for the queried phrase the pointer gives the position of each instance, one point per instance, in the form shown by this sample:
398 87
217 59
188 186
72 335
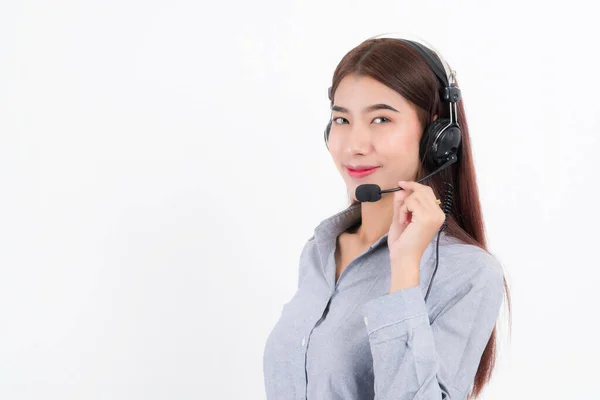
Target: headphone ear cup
326 134
441 140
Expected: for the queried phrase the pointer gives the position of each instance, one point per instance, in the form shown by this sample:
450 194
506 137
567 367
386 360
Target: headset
440 143
441 139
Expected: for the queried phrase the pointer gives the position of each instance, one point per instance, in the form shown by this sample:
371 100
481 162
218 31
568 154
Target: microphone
370 192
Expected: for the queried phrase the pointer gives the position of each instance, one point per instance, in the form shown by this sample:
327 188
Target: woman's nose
358 139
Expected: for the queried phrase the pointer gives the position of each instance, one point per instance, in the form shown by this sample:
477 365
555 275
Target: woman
363 323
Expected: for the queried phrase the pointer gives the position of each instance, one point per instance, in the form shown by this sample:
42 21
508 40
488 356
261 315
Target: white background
163 163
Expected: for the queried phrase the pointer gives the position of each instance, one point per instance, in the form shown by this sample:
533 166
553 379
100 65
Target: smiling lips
360 171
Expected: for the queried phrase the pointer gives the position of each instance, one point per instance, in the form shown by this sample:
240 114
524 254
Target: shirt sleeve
415 358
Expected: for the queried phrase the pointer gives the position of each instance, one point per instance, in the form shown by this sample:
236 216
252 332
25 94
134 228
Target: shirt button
303 341
366 321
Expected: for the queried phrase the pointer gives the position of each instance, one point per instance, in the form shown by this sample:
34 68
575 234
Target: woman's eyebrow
368 109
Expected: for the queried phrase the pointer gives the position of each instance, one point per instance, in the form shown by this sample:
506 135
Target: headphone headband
446 76
434 63
433 57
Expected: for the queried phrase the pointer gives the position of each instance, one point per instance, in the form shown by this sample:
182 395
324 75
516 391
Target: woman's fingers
412 208
424 205
399 198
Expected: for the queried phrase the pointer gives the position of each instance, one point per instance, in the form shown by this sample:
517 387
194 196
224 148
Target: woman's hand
417 218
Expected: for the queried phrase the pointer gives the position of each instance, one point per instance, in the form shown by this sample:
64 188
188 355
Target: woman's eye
341 120
382 118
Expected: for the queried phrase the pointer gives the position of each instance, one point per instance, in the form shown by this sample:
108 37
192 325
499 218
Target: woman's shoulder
468 266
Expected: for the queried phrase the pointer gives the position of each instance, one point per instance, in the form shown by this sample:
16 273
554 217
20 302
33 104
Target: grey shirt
352 339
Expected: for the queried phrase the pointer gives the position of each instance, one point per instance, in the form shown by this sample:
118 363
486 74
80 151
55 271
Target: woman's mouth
360 173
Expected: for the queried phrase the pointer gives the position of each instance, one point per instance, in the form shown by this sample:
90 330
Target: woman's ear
435 117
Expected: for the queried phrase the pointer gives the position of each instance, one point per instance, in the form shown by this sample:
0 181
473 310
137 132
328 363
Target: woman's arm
415 358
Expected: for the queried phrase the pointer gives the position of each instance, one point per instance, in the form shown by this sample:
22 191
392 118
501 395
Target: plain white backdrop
162 164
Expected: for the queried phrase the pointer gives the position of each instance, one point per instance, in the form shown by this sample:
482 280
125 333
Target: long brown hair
400 67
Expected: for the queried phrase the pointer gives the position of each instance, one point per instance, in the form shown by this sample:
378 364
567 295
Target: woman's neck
375 220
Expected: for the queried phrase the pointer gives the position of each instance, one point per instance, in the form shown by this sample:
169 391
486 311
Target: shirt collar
329 229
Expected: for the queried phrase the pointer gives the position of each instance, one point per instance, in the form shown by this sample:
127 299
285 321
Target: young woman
368 321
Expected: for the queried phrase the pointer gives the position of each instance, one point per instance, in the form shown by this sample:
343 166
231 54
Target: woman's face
372 125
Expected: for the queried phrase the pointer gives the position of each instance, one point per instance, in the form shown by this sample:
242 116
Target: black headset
442 137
